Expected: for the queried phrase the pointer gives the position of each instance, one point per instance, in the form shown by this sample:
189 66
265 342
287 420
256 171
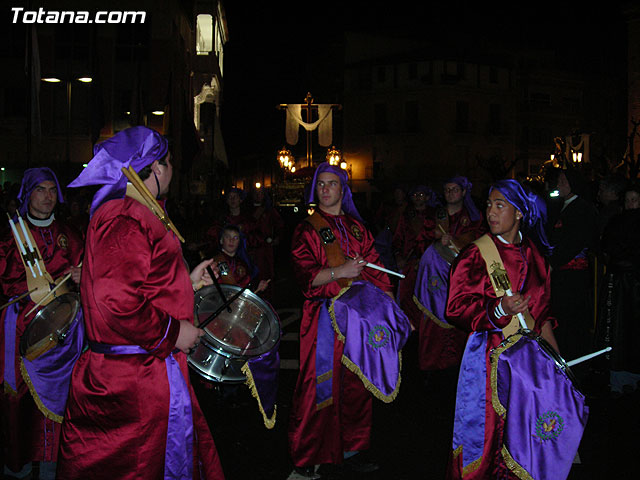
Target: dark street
411 436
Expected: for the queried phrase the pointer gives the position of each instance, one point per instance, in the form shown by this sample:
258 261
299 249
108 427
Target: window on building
493 75
363 78
204 34
412 116
381 74
461 70
462 116
380 121
540 99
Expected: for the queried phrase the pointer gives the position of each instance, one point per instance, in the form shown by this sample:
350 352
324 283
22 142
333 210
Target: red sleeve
472 299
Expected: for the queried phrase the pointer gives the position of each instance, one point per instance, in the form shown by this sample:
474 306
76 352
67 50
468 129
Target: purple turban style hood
347 199
31 179
432 199
136 147
469 204
532 207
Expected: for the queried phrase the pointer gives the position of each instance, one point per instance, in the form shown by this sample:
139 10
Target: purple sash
324 357
432 283
545 416
469 420
49 375
374 329
178 460
10 319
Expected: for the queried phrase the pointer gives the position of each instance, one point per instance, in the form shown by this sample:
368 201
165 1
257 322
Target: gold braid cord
268 422
430 315
354 368
144 196
514 466
45 411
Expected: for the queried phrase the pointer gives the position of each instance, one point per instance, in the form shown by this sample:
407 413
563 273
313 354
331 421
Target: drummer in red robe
451 228
331 432
474 306
132 412
29 431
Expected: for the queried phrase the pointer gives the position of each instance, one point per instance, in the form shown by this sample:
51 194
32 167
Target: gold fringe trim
268 422
45 411
472 467
430 315
332 313
325 404
9 390
514 466
497 406
370 386
325 376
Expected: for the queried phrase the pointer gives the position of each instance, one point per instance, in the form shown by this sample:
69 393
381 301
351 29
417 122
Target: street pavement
412 435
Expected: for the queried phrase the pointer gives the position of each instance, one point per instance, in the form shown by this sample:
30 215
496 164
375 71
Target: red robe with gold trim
27 434
135 289
471 304
321 436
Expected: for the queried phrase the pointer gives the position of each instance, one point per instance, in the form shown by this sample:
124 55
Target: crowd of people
468 273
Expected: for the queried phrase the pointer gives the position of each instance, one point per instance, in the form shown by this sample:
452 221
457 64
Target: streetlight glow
51 80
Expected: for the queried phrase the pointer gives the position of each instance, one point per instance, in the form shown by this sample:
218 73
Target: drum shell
33 349
213 363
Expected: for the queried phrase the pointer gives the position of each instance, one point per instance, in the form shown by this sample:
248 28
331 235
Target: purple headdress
31 179
347 199
532 207
469 204
136 147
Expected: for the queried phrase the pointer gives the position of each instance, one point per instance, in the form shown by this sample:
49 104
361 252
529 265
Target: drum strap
442 219
41 284
335 255
495 267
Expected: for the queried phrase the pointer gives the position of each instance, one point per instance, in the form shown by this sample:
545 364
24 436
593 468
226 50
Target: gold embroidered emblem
464 221
63 241
241 271
356 232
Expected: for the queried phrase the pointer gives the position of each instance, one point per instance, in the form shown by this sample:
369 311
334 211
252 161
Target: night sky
276 49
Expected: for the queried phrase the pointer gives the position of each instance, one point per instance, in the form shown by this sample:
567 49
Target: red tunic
135 289
471 305
269 225
238 273
321 436
27 434
440 347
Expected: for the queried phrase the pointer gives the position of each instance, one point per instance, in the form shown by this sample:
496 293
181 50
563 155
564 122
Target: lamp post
68 84
334 157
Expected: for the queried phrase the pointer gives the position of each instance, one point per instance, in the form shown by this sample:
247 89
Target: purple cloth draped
136 147
264 370
10 319
374 329
347 199
324 355
31 179
178 460
50 373
545 414
469 424
432 283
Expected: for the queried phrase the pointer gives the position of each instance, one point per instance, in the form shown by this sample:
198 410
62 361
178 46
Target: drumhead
250 329
51 321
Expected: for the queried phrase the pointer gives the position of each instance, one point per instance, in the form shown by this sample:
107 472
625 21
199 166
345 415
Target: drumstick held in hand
455 249
523 323
589 356
17 299
376 267
66 277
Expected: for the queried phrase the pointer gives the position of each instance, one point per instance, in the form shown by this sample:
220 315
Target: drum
50 325
249 330
544 412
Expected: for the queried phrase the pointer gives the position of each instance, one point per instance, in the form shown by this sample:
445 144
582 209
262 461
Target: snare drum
50 325
545 414
249 330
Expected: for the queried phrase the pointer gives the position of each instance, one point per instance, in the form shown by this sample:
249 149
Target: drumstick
523 323
376 267
218 287
17 299
456 249
66 277
221 308
589 356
